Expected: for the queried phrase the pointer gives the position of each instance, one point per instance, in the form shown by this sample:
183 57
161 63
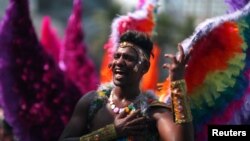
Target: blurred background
175 21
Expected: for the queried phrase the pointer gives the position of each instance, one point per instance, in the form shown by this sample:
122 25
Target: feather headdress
143 20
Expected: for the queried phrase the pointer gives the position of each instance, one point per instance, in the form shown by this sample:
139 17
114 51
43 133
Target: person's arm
124 124
77 125
169 130
176 125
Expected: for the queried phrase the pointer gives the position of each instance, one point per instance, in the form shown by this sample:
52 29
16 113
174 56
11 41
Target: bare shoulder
77 124
85 100
88 97
158 110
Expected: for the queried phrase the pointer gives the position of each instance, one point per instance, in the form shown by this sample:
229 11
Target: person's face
124 61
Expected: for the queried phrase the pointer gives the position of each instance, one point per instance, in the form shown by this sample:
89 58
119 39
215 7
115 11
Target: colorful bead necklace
127 109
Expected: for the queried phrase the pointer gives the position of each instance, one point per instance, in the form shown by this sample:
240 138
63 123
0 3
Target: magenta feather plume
35 94
71 52
78 67
49 39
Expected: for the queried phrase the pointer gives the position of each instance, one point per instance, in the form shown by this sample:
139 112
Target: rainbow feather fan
218 71
143 20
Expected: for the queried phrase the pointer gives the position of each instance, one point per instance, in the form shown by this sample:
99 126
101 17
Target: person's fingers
190 51
133 115
166 66
140 120
188 56
123 114
181 53
172 57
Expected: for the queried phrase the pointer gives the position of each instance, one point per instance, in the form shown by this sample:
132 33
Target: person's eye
130 58
116 56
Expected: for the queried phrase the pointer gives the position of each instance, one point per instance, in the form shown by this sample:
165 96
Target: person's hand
130 124
179 63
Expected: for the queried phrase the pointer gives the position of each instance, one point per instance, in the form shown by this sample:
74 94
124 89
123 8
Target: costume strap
97 103
158 104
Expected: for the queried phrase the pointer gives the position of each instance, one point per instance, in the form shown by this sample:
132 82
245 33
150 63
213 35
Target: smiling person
120 111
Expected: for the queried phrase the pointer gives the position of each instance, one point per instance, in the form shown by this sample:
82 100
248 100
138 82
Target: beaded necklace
117 110
103 95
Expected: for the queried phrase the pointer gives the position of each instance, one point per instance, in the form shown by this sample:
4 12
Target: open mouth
119 74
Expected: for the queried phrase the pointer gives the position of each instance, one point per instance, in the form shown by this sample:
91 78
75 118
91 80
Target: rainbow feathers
218 73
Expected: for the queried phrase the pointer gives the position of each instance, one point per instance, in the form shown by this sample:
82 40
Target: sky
127 5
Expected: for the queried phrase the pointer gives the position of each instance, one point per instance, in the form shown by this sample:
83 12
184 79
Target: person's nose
120 61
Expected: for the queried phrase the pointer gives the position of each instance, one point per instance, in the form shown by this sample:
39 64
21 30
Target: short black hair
140 39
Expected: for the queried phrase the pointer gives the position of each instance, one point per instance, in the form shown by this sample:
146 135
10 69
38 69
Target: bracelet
180 104
106 133
180 84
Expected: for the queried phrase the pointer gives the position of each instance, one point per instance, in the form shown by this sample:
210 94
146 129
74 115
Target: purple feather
236 4
34 93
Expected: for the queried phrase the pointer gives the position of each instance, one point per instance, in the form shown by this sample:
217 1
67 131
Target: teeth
119 71
118 76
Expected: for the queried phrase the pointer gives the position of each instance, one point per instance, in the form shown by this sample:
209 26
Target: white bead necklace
129 108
